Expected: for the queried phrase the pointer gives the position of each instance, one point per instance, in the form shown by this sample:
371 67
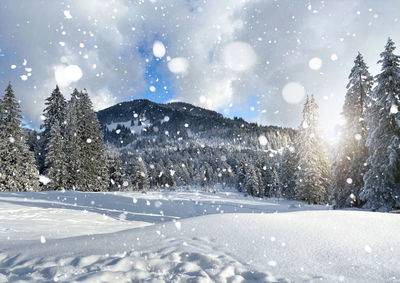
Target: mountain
140 124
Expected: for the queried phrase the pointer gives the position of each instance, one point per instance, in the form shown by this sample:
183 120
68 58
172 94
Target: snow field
196 237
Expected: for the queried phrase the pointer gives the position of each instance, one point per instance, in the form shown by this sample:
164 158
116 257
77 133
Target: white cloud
280 40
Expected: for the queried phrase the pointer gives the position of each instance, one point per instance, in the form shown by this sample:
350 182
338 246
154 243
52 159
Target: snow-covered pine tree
56 159
382 180
313 173
116 170
241 175
251 184
139 176
54 140
276 184
73 147
93 172
287 172
17 171
55 114
349 166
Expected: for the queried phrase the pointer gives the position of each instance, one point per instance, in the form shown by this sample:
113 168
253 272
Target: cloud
111 42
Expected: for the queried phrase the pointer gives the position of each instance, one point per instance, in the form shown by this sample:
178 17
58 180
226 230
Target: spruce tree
312 174
93 172
17 171
382 180
54 140
349 167
56 160
55 114
287 172
73 147
116 170
251 185
139 176
241 175
276 184
87 166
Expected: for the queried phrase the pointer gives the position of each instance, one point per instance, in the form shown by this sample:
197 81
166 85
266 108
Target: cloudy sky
246 58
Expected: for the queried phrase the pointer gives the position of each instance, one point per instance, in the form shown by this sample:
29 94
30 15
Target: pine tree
73 147
17 171
116 170
349 167
55 114
251 185
382 180
54 140
276 184
56 159
287 172
93 173
312 174
139 176
87 166
241 175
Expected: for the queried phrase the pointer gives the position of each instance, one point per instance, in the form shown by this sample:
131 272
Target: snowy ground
191 236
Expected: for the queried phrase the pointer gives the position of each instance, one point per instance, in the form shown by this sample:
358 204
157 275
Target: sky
255 59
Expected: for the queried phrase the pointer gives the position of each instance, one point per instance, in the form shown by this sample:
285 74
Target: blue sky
255 59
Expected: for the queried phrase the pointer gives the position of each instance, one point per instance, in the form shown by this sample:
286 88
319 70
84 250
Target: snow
159 49
67 14
394 109
315 63
334 57
65 75
263 140
191 235
135 128
293 93
178 65
239 56
44 180
24 77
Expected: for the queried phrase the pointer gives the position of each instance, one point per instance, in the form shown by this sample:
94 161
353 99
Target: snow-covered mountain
142 121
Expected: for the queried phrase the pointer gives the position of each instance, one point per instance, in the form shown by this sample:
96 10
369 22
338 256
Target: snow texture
206 237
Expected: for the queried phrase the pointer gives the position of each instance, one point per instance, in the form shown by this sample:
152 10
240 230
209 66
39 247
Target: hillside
128 123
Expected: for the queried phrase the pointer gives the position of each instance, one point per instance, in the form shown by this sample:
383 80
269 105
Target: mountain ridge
130 121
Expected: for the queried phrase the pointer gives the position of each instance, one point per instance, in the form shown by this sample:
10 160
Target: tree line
364 171
71 153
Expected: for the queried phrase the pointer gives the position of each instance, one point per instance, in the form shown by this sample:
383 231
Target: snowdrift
327 245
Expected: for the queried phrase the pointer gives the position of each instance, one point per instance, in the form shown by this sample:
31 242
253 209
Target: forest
73 151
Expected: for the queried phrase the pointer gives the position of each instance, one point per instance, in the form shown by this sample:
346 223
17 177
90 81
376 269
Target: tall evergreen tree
251 185
116 170
93 172
287 172
54 136
55 114
87 166
139 176
241 175
382 180
276 188
312 175
17 171
349 166
56 160
73 147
